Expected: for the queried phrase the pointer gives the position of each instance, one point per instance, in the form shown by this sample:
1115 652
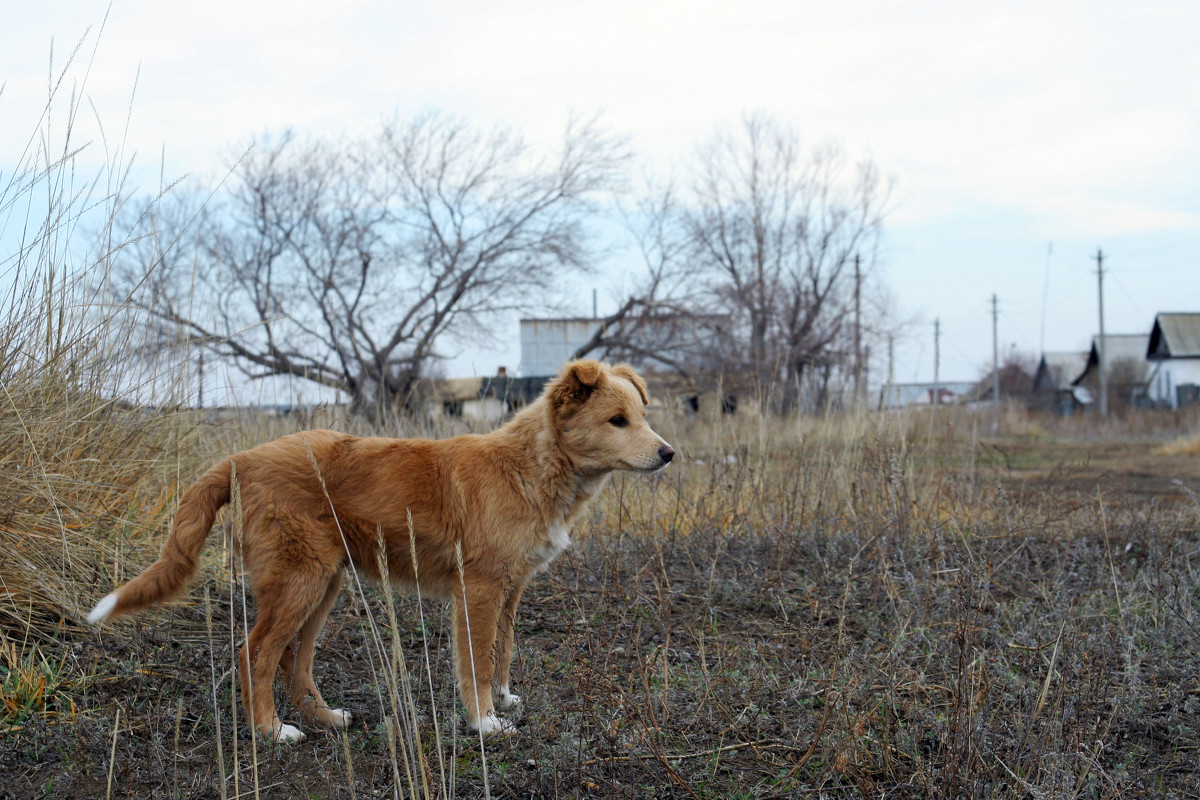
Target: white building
1174 353
902 395
1125 366
547 344
689 341
464 398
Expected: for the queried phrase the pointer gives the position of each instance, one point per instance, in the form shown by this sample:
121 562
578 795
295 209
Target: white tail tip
103 609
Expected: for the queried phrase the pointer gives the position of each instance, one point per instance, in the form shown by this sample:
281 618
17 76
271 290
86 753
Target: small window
452 408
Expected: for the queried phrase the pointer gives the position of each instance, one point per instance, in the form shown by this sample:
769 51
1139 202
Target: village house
1173 351
1016 383
1053 382
679 354
1125 364
481 399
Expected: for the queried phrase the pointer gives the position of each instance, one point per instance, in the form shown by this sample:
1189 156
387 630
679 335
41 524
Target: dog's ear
626 371
575 383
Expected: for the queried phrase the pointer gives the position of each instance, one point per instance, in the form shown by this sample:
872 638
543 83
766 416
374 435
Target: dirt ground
823 658
1120 471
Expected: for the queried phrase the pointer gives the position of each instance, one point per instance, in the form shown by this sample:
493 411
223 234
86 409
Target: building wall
1169 374
547 344
479 409
901 395
485 409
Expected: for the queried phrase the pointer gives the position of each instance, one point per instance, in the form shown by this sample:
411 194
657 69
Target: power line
937 325
1136 306
995 350
858 353
1017 331
1100 341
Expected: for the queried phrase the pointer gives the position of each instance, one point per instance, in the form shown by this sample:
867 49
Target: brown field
853 606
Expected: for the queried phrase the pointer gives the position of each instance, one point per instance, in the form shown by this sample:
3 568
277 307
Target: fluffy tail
167 576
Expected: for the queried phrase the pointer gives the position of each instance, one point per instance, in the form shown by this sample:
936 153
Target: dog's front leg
505 699
475 627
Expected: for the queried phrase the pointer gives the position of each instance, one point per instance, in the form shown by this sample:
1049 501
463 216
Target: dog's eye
619 421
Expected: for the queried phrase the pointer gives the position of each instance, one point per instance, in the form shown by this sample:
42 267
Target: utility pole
937 360
887 392
1100 357
866 370
995 351
857 330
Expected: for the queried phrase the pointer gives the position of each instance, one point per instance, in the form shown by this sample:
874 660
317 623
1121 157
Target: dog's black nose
666 453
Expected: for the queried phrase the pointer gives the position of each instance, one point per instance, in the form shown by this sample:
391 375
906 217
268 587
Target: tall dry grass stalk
92 466
86 474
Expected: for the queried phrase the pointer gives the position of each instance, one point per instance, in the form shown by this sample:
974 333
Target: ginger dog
314 503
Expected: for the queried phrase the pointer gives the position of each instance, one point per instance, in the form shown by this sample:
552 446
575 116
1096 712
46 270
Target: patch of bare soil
1125 471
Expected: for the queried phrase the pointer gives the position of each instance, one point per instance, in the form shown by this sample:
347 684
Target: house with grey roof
1053 382
1173 350
1125 364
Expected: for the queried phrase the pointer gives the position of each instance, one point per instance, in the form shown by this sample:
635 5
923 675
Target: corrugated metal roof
1175 335
1121 346
547 344
1128 347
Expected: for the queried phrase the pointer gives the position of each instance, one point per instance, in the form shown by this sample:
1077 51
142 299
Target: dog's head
599 412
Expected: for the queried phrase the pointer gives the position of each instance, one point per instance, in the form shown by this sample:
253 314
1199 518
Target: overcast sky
1005 126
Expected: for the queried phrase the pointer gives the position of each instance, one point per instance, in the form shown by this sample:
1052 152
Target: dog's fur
315 502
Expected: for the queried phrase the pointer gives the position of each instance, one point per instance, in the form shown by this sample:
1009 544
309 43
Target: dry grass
1186 445
856 605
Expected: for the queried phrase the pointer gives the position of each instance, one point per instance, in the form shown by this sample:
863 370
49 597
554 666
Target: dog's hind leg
475 627
284 605
505 699
297 663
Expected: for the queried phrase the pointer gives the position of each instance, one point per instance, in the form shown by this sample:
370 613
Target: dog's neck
560 481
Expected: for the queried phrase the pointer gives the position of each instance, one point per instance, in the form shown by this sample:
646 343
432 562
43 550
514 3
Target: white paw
288 734
507 701
339 718
491 725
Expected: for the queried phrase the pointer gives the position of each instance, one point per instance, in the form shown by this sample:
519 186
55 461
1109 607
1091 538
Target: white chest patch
558 541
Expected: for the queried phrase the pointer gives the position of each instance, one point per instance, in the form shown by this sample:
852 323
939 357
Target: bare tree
752 272
775 232
658 322
1017 371
345 264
